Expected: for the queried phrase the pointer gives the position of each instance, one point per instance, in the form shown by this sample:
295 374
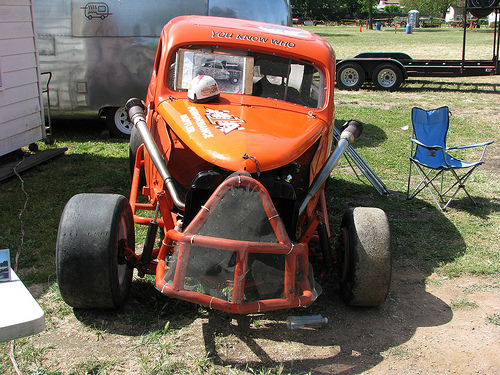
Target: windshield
251 73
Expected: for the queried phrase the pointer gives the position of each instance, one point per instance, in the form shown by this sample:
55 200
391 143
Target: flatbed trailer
388 70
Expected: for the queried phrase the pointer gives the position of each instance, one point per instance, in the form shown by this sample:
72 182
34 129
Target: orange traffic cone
360 28
471 25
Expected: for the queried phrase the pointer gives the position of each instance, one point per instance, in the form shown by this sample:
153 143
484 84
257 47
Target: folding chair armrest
482 144
434 147
470 146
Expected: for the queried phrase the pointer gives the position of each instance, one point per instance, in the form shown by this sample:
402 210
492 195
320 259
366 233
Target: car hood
237 136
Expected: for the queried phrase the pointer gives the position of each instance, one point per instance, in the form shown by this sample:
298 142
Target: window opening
250 73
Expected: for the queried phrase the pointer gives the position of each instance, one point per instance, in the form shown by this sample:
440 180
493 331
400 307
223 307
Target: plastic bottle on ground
311 321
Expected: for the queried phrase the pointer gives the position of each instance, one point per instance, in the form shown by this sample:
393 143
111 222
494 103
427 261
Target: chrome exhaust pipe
135 110
350 132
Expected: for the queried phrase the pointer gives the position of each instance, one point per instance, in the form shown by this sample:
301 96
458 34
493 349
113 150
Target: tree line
338 10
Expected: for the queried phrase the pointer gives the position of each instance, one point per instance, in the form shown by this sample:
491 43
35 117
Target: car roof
238 33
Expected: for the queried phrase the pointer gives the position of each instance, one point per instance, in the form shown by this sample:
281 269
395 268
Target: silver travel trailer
100 53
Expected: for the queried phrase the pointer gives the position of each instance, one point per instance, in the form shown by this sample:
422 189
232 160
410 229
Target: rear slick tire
367 275
90 271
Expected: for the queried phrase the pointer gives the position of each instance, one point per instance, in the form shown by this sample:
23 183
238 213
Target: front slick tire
367 275
90 271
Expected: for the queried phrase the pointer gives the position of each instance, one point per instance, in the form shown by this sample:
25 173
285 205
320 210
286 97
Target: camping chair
431 160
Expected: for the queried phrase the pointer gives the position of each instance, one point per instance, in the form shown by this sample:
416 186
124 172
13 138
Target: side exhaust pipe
135 110
370 175
350 132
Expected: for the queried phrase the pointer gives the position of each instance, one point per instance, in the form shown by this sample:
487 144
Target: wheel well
103 112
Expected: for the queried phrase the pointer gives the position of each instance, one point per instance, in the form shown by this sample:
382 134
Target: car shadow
353 341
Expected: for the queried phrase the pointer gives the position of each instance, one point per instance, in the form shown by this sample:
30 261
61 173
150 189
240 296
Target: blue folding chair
429 156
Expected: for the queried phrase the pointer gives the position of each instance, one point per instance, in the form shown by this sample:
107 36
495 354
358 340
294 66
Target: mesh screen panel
239 215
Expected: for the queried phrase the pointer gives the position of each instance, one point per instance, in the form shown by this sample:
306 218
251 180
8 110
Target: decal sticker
223 120
96 10
259 39
188 125
205 131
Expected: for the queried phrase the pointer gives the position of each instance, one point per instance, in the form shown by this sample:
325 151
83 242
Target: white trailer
21 105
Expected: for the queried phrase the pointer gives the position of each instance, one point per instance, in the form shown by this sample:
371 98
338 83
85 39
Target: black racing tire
366 260
118 122
387 77
350 76
91 273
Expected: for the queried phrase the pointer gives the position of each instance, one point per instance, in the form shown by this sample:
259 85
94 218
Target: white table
20 314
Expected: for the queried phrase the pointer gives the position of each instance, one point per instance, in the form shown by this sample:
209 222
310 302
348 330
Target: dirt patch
428 325
492 163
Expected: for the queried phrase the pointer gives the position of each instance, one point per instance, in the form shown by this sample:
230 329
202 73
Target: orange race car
232 148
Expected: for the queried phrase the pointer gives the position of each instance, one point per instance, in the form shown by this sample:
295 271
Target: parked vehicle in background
388 70
100 53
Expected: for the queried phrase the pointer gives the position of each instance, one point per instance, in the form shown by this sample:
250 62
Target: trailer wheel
364 269
387 77
91 270
350 76
118 123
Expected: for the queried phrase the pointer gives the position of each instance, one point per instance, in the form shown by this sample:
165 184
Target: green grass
398 352
93 366
462 304
463 240
493 319
438 43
